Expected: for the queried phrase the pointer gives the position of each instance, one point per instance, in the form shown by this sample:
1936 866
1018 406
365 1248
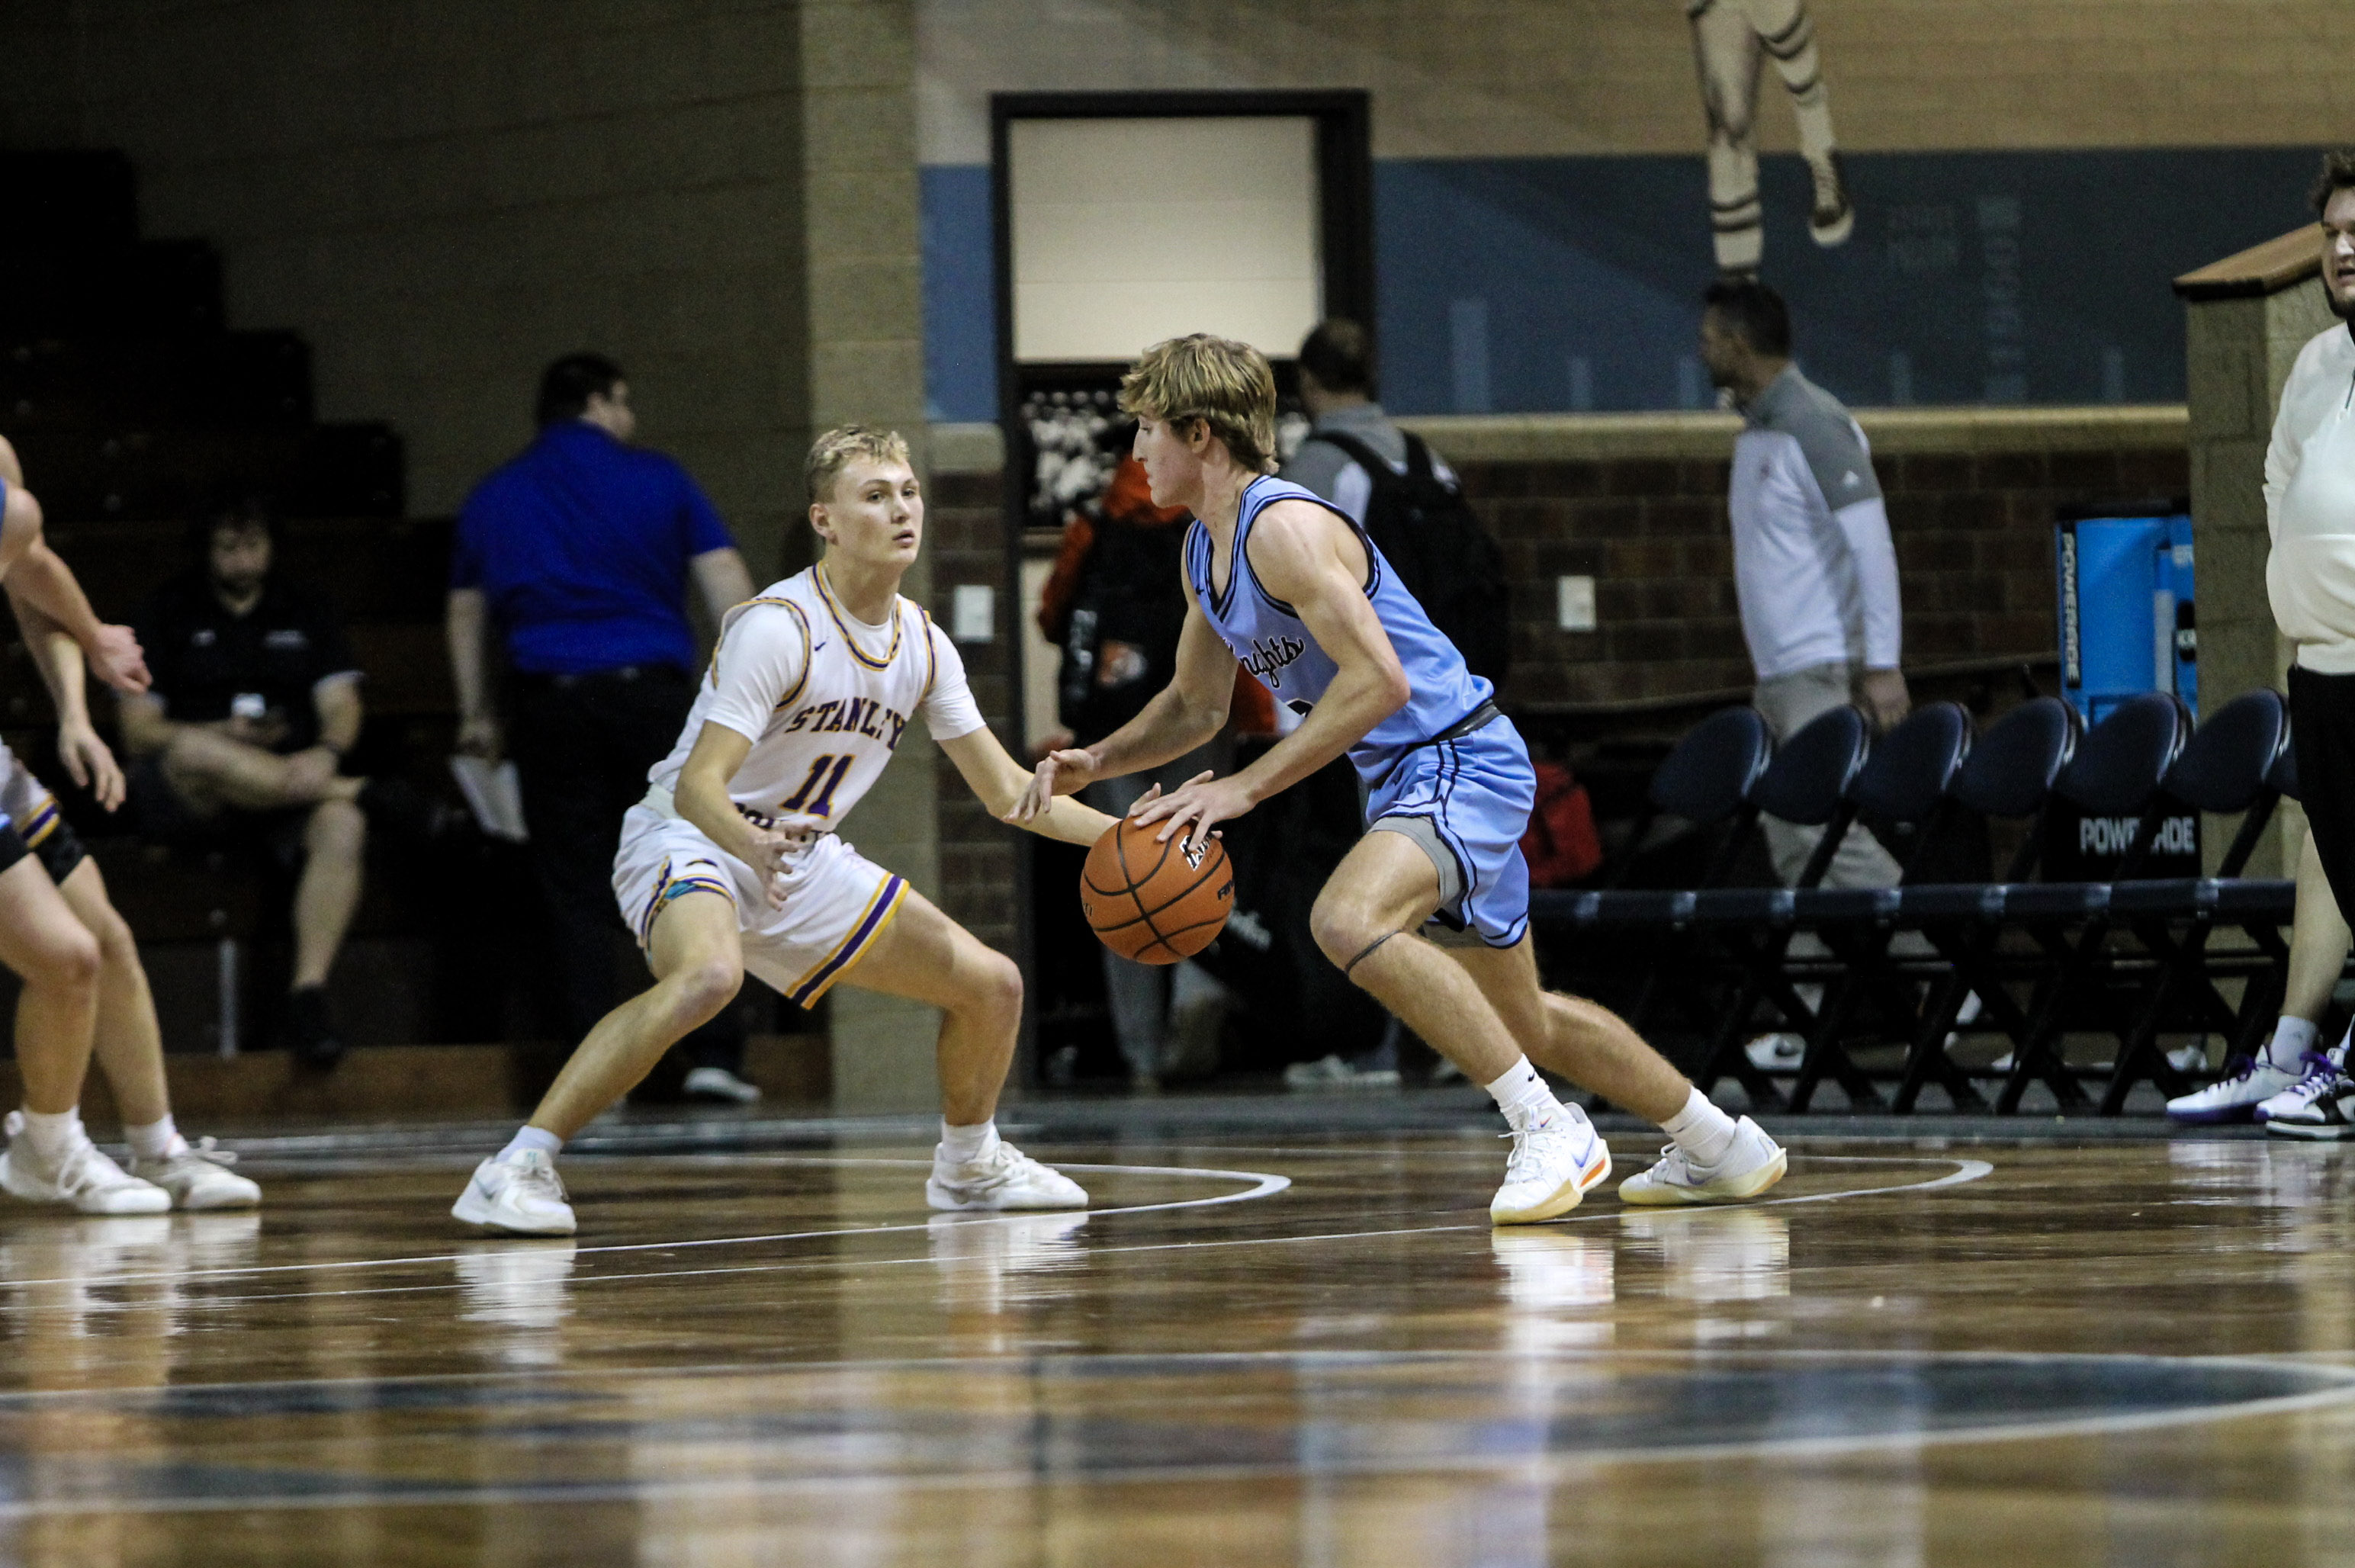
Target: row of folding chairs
1923 962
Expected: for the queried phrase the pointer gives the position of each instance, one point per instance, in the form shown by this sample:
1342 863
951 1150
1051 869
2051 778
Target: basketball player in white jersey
731 863
127 1043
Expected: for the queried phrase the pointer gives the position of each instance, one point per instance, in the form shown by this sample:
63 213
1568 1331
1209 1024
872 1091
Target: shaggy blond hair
834 451
1225 384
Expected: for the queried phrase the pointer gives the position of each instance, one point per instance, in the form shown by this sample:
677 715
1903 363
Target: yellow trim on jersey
809 654
728 623
44 822
833 608
931 653
845 956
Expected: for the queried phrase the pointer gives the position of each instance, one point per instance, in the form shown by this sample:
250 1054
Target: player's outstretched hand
1196 807
90 764
1059 773
118 659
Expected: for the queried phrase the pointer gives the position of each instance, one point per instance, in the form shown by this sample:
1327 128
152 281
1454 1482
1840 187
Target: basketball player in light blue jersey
1287 585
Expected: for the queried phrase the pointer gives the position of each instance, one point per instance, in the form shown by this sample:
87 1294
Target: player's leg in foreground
50 1158
697 958
2292 1069
1483 1010
1710 1158
129 1050
927 957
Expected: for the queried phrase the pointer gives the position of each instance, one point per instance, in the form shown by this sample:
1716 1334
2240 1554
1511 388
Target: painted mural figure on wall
1728 37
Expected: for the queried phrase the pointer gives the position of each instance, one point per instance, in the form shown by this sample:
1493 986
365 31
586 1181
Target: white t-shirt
2310 506
823 697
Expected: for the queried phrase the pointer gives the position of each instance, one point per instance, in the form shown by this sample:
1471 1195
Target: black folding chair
2239 761
1808 783
1706 782
2119 770
2008 775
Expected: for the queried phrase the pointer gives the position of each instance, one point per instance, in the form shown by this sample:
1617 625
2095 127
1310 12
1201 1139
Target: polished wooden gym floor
1286 1334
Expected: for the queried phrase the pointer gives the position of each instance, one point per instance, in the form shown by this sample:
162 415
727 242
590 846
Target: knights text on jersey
824 698
1271 640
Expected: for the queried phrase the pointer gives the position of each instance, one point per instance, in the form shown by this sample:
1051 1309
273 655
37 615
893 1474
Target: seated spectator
240 740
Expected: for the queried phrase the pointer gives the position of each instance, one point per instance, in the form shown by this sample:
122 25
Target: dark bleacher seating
133 404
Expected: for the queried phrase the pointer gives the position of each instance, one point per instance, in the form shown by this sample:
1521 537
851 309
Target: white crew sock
1701 1130
2339 1052
1524 1098
53 1137
151 1140
2293 1037
526 1137
963 1146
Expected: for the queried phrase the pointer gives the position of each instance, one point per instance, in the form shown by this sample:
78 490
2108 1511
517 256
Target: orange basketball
1156 903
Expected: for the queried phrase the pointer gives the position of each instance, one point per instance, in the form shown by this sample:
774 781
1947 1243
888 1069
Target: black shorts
55 841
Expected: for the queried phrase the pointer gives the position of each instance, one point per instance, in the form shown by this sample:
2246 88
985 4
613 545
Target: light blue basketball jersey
1269 640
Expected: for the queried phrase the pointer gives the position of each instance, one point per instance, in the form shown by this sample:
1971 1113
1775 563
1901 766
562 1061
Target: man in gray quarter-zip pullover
1814 570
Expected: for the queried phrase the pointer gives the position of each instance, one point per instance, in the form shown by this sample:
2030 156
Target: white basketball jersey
824 698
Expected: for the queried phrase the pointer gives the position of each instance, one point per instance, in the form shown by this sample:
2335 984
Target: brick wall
1973 530
965 521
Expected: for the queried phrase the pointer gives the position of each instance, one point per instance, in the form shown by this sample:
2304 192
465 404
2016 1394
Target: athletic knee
706 986
116 945
66 959
997 990
1342 931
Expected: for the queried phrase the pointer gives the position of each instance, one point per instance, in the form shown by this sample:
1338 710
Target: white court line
1966 1170
366 1492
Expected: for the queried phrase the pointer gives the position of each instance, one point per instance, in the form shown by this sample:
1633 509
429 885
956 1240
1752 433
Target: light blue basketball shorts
1467 801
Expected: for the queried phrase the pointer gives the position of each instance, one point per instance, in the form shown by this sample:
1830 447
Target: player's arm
703 799
36 575
1296 550
1187 713
760 660
998 780
89 762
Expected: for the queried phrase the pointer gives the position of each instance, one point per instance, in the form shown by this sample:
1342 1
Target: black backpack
1429 534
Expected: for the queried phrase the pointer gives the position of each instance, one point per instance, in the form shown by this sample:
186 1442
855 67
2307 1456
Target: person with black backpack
1404 496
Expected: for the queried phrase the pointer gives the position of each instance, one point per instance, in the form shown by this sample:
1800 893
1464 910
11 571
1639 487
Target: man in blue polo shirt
577 552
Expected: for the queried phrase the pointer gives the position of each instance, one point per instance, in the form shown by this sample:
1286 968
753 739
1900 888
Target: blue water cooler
2128 626
2125 605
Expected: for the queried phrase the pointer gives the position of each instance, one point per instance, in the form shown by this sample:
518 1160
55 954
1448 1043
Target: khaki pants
1789 703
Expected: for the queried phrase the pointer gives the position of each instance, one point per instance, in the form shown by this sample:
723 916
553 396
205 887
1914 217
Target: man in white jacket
2310 578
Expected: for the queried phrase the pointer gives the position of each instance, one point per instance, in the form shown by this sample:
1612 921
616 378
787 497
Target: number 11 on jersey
828 769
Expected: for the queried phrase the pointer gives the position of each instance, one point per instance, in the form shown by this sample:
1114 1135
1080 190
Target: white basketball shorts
837 901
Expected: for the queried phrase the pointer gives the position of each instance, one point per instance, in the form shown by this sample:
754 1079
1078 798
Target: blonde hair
1225 384
830 453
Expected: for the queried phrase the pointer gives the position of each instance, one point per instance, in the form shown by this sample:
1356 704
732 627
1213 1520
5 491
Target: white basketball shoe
84 1181
520 1194
1752 1164
1002 1178
1551 1168
2234 1098
197 1177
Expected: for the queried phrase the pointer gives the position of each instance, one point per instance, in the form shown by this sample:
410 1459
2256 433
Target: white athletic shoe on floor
197 1177
1551 1168
1780 1052
85 1180
520 1194
1004 1178
718 1083
2236 1098
1754 1163
2320 1107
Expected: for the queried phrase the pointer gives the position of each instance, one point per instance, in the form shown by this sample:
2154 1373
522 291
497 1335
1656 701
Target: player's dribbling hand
1059 773
118 659
1196 807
